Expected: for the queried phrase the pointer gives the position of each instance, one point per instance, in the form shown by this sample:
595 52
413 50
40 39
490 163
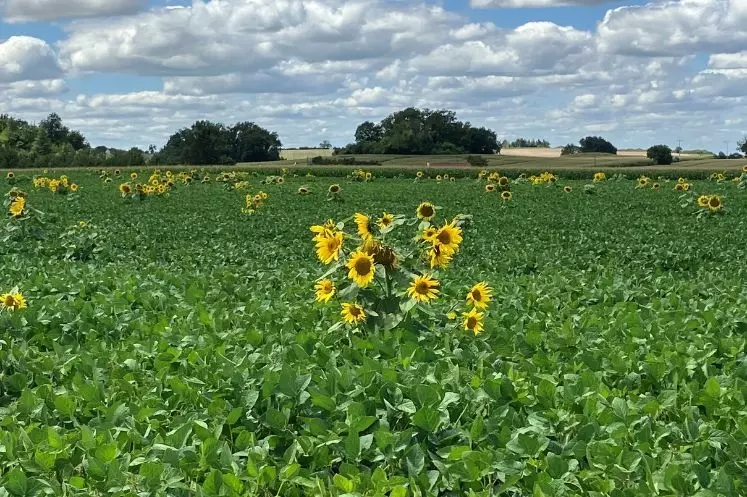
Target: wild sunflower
703 200
362 269
352 313
503 181
364 225
448 238
642 182
429 234
506 195
154 182
445 176
12 301
426 211
334 188
263 195
325 290
679 187
17 207
369 176
480 295
303 190
656 186
681 181
328 248
133 176
10 175
599 177
686 187
714 203
73 187
162 189
125 189
423 288
385 220
439 258
438 177
419 174
451 315
452 178
744 169
567 189
279 180
490 187
117 172
473 321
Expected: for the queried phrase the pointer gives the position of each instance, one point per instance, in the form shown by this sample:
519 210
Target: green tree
742 145
660 154
42 145
597 144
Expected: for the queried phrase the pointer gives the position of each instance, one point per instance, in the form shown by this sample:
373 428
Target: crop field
305 153
194 337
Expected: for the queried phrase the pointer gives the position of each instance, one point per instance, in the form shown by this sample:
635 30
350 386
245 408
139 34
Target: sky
132 72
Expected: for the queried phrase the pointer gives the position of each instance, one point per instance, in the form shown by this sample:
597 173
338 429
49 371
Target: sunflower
429 234
17 207
426 211
10 175
744 169
352 313
703 200
369 176
439 258
446 176
385 220
473 321
303 190
154 182
451 315
679 187
125 189
681 181
325 290
423 288
567 189
452 178
448 238
263 195
364 225
133 176
599 177
279 180
490 187
714 203
419 174
506 195
480 295
656 186
361 267
503 181
328 248
206 179
73 187
438 177
12 301
642 182
686 187
335 188
162 189
117 171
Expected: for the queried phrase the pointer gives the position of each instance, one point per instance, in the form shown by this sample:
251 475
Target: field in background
555 152
305 153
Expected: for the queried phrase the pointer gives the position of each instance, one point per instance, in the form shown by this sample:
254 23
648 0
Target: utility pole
679 147
726 143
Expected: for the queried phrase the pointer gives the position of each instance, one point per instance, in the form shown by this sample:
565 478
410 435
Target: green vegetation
526 143
172 346
660 154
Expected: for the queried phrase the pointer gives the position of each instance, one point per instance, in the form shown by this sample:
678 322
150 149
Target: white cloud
35 88
26 58
48 10
515 4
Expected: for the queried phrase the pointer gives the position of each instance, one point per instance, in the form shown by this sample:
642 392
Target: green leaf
427 419
16 482
352 446
415 460
213 483
343 483
557 466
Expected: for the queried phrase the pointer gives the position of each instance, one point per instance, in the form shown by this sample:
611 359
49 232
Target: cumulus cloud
49 10
35 88
515 4
27 58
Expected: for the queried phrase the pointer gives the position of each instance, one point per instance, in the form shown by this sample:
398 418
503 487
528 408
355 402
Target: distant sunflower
473 321
17 207
279 180
503 181
438 177
445 176
12 301
714 203
448 238
10 175
429 233
73 187
439 258
679 187
154 182
452 178
364 225
328 248
426 211
506 195
325 290
107 180
686 187
263 195
117 172
369 176
681 181
385 220
490 187
480 295
744 169
642 182
656 186
125 189
567 189
352 313
423 288
362 269
703 200
162 189
133 176
334 188
303 190
419 174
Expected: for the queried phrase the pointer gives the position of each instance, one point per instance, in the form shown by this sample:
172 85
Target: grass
174 348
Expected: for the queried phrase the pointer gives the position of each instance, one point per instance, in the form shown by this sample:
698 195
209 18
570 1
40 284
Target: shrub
660 154
570 149
477 160
597 144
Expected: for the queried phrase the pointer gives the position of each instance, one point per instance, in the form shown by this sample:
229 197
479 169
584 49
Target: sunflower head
279 180
714 203
361 268
303 190
133 176
503 181
480 295
703 200
385 256
352 313
686 187
744 169
656 186
473 321
429 234
423 288
324 290
438 177
10 175
681 181
490 187
567 189
452 178
334 188
679 187
364 225
125 189
17 206
385 220
12 301
328 246
419 174
506 195
73 187
426 211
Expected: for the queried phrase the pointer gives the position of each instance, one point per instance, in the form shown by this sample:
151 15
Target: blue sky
131 72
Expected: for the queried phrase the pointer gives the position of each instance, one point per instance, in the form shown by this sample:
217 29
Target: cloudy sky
130 72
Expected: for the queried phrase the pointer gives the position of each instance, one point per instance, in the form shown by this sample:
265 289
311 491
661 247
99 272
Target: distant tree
570 149
77 140
252 143
42 144
325 145
660 154
597 144
54 128
742 145
367 132
529 143
678 150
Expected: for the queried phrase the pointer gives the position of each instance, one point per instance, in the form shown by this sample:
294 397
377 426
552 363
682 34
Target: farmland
172 345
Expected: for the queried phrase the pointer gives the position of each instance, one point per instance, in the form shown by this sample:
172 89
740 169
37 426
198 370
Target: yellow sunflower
438 177
364 225
490 187
439 257
656 186
352 313
429 234
423 288
451 315
452 178
369 176
328 248
362 269
567 189
642 182
744 169
279 180
303 190
17 207
125 189
426 211
73 187
419 174
714 203
703 200
679 187
480 295
506 195
681 181
473 321
133 176
446 176
385 220
448 238
12 301
686 187
503 181
10 175
335 188
263 195
325 290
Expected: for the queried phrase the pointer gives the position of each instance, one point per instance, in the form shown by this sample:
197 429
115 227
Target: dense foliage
172 346
597 144
526 143
660 154
422 131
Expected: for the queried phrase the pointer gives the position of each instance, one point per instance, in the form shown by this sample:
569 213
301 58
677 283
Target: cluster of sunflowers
386 285
61 185
682 185
253 202
646 182
599 177
710 203
718 177
273 180
546 178
228 177
240 185
12 301
361 175
15 202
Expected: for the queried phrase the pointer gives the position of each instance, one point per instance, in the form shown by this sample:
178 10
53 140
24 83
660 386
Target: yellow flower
426 211
642 182
480 295
352 313
12 301
506 195
681 181
321 231
714 203
439 258
423 288
73 187
328 248
429 234
451 315
679 187
490 187
17 207
448 238
325 290
503 181
161 189
419 174
155 182
54 185
599 177
686 187
10 175
438 177
567 189
334 188
263 195
361 267
303 190
385 220
369 176
133 176
744 169
364 225
125 189
656 186
703 200
473 321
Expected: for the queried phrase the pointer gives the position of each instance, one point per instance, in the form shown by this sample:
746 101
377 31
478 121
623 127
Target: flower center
476 295
422 288
426 211
444 237
355 311
363 266
471 322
